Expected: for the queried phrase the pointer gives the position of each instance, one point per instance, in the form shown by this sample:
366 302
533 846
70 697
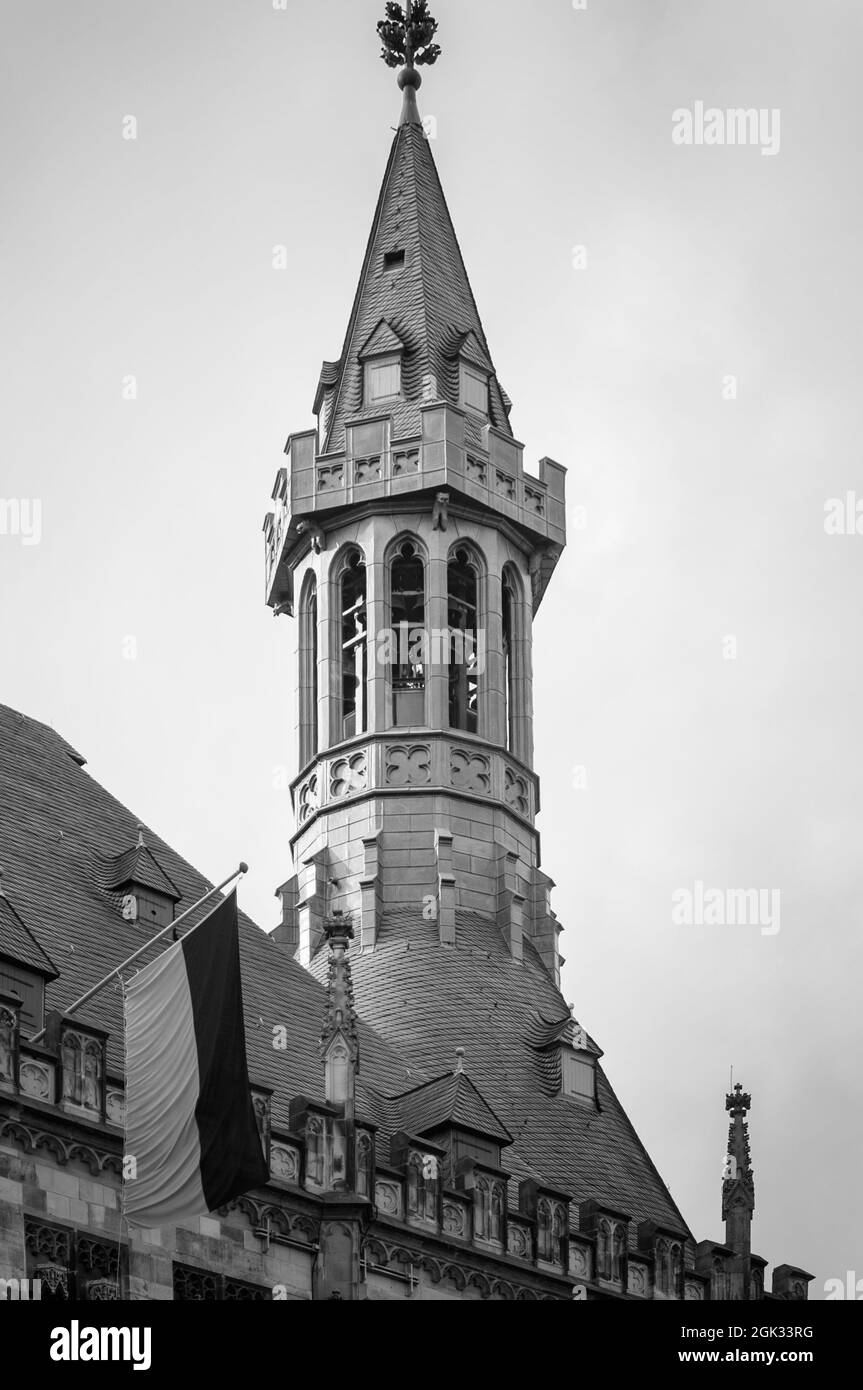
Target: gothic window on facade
610 1249
668 1267
72 1266
474 390
354 648
315 1153
463 619
407 609
8 1045
422 1186
201 1286
383 378
308 699
544 1238
364 1165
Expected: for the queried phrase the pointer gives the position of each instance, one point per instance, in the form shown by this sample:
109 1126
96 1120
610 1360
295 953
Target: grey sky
705 516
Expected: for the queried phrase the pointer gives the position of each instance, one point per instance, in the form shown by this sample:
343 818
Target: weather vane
407 35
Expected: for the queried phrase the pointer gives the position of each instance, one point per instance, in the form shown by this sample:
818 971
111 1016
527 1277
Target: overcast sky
153 258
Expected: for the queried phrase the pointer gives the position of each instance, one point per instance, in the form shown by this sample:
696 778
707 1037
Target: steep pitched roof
427 1001
56 827
427 301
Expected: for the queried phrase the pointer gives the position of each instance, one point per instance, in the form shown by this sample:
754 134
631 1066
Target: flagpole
172 926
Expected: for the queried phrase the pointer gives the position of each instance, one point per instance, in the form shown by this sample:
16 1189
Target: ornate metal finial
141 844
459 1065
738 1103
407 37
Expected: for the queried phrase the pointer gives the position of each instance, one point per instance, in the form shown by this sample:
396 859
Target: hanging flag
190 1122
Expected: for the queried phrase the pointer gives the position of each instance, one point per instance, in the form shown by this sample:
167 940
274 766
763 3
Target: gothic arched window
509 629
603 1249
464 641
618 1252
308 694
409 639
544 1232
354 648
364 1165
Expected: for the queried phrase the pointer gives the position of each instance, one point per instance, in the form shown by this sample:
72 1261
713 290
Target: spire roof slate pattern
55 825
428 302
426 1001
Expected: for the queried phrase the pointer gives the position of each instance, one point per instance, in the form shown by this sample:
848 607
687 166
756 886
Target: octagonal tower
413 551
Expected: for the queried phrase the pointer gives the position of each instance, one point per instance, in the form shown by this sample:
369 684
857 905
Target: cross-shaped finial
407 35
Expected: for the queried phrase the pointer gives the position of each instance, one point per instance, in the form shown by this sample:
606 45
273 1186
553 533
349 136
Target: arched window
463 620
410 647
544 1233
308 694
354 639
618 1252
603 1250
364 1165
509 628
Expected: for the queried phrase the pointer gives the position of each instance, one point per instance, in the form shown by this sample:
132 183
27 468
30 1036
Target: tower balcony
453 454
399 765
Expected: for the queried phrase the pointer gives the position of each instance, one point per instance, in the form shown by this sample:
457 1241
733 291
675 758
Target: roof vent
394 261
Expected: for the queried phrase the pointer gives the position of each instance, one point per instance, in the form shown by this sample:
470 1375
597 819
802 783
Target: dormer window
474 390
578 1074
146 893
383 378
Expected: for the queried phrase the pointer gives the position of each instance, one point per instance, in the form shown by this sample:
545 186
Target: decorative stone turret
414 550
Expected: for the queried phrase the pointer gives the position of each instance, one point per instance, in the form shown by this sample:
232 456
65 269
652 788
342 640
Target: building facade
437 1123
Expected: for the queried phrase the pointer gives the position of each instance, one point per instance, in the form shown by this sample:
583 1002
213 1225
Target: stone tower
413 551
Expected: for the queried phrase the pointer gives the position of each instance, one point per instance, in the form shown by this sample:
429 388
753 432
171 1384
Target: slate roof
450 1099
427 1001
18 942
139 865
428 303
57 828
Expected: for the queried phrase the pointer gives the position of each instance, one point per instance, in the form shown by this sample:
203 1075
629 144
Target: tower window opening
354 649
394 261
407 606
383 379
462 585
308 694
508 661
474 390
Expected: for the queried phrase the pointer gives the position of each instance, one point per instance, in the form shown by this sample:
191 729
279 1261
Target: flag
192 1143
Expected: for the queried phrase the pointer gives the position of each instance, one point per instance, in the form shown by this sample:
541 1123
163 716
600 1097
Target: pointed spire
738 1187
413 289
340 1047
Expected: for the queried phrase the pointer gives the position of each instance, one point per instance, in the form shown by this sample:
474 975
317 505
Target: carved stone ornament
388 1198
470 771
285 1163
348 775
408 764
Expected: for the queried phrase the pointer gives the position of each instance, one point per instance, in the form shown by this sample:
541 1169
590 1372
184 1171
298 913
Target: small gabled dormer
453 1114
25 969
382 358
146 892
566 1058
